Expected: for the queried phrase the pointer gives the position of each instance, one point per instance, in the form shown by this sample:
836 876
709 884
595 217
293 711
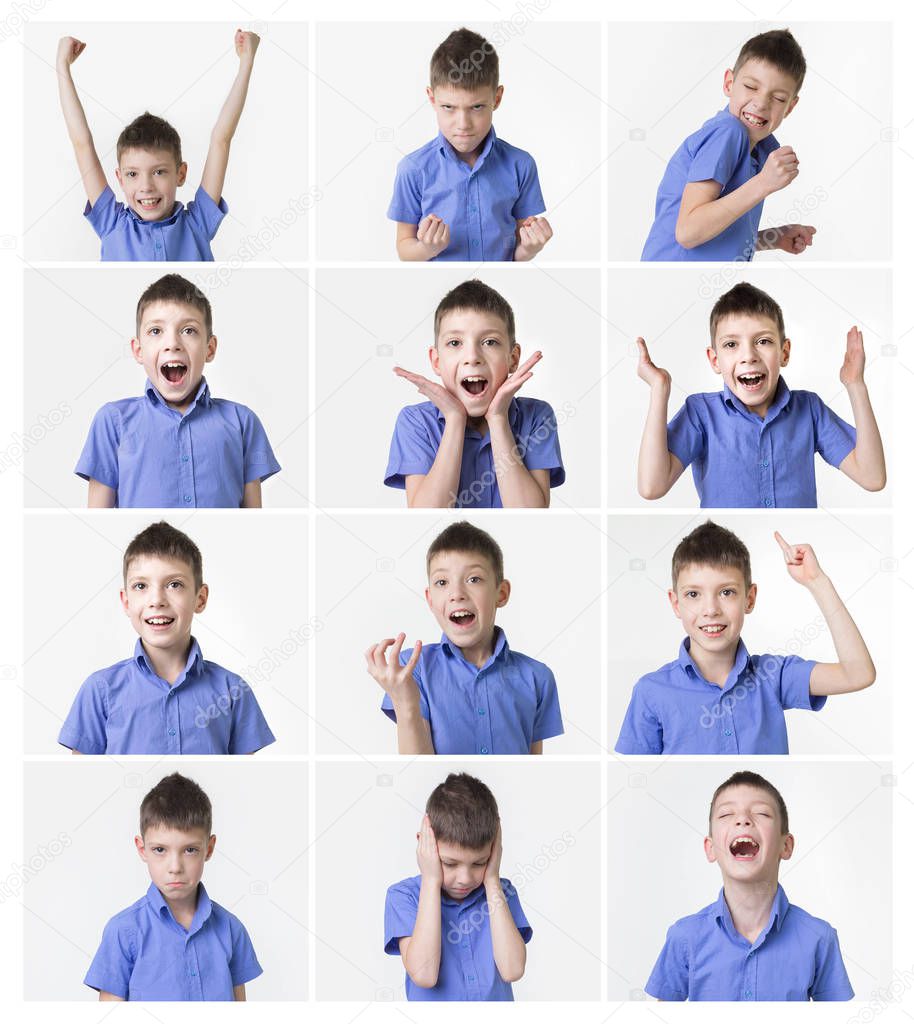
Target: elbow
513 972
867 678
649 491
876 484
424 978
684 237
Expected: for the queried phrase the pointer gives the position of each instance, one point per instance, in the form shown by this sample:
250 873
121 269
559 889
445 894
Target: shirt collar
194 660
445 147
781 398
689 666
501 647
202 397
513 418
767 145
170 219
779 909
469 900
160 905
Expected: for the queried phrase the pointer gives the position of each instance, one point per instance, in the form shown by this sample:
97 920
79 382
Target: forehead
458 561
471 321
745 325
155 566
463 854
142 158
768 75
170 311
704 575
457 97
744 796
165 835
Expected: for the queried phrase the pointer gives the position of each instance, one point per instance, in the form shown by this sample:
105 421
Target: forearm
708 220
853 656
423 956
439 487
869 456
523 254
230 115
414 734
508 946
516 485
654 460
73 113
411 250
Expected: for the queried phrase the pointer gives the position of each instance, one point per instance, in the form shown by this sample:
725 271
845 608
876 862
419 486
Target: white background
671 308
93 810
78 625
555 806
393 324
839 814
552 615
838 128
87 318
852 550
183 75
373 111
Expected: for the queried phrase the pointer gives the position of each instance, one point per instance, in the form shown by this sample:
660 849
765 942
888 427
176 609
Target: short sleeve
400 909
250 731
793 679
113 962
98 460
686 437
517 911
204 214
105 214
835 438
406 203
719 154
387 705
243 965
85 727
540 444
831 982
259 461
669 979
529 202
642 732
411 449
548 720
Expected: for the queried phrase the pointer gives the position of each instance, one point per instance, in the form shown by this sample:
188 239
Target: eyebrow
466 568
161 320
484 332
723 583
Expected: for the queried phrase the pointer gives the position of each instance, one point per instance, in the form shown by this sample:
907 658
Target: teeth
475 378
159 621
175 366
712 629
753 120
750 378
460 615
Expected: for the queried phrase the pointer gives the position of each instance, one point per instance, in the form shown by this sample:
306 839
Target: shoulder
659 679
126 923
228 409
534 410
809 925
101 677
419 157
513 153
806 401
214 672
688 928
524 663
723 127
406 890
225 918
120 409
422 412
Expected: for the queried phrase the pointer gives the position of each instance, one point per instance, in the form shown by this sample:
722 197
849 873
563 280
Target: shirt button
193 974
184 458
472 209
768 501
483 750
171 732
728 732
475 243
765 463
481 711
187 499
471 977
748 993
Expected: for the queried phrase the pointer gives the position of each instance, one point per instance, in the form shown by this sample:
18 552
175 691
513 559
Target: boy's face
748 354
175 859
746 839
150 179
173 348
712 603
464 596
761 96
160 599
463 869
473 357
464 115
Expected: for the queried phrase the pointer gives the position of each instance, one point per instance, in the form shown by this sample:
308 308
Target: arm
418 244
90 168
101 495
414 735
421 951
536 748
532 234
855 669
238 994
792 238
865 465
519 487
107 997
252 495
508 946
220 142
658 468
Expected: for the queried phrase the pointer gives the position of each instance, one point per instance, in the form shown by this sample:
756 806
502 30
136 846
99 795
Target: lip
474 395
744 856
752 389
159 627
181 381
175 885
718 631
465 623
746 114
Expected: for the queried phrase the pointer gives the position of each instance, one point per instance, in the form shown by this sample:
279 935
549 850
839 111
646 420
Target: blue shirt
675 710
719 151
146 954
417 437
467 970
155 457
182 237
480 204
796 957
128 709
501 708
740 460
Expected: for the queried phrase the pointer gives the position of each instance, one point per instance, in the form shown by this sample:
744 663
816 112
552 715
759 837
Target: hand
652 375
510 386
68 49
534 233
493 865
802 563
427 855
246 44
854 359
792 238
434 235
781 167
448 405
395 680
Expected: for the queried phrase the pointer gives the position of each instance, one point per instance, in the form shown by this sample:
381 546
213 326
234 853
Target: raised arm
220 142
865 465
414 735
90 168
508 946
658 468
421 951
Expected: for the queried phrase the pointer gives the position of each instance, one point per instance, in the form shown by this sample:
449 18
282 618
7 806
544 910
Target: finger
398 646
381 650
414 657
642 350
532 361
785 547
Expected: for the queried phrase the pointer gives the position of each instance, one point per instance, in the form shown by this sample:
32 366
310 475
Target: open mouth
751 381
159 621
150 204
744 848
474 385
174 372
753 120
463 618
714 629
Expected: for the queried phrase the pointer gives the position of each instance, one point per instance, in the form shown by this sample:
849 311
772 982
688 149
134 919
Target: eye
474 579
138 586
177 584
728 592
764 341
452 342
190 330
491 341
725 814
192 849
690 593
153 331
751 88
158 849
441 582
131 174
729 344
478 106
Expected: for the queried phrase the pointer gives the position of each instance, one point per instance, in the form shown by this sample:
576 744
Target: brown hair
746 298
463 811
778 48
710 544
148 132
479 297
163 540
465 60
756 781
174 288
177 802
464 536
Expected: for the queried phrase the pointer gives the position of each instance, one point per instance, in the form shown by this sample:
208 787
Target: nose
155 597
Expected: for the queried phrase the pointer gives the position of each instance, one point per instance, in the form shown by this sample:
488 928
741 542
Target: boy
473 444
470 694
752 944
152 225
165 699
467 195
709 202
175 446
716 698
174 943
753 444
458 927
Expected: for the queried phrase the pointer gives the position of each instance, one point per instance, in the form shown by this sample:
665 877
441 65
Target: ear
709 850
140 847
674 602
211 349
711 353
182 173
750 598
117 174
792 104
499 92
136 347
785 352
124 603
202 598
428 597
787 848
210 846
435 359
504 592
514 358
728 81
430 94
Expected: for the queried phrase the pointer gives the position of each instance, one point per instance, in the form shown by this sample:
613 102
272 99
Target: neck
183 909
750 904
168 665
479 653
479 423
714 667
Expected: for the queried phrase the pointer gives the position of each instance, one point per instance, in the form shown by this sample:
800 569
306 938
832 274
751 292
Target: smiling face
173 348
463 869
746 839
175 859
160 599
712 603
150 179
465 116
473 356
748 353
761 96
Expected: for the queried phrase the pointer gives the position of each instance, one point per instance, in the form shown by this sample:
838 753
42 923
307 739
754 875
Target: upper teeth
475 378
149 200
174 366
752 119
751 377
460 614
712 629
160 620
